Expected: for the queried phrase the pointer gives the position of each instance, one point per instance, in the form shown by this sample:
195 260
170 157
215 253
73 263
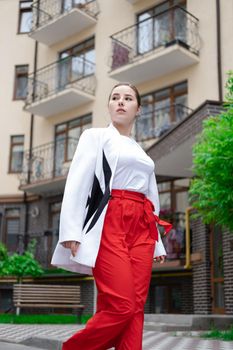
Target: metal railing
47 161
57 76
175 25
155 123
44 11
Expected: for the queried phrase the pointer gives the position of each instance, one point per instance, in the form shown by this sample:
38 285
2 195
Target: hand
72 245
160 259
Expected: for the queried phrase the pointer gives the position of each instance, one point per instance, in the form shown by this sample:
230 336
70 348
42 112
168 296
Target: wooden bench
47 296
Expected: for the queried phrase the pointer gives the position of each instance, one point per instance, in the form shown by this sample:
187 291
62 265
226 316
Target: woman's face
123 105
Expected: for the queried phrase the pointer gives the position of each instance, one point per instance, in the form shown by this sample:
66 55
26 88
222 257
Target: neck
123 130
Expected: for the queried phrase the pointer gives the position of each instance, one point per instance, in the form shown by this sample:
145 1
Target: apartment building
59 61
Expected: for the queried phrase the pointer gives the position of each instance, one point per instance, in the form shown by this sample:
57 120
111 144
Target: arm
154 197
78 184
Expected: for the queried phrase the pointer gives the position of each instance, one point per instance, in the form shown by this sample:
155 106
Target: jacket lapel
107 158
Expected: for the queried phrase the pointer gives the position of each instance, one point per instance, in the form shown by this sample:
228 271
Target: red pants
122 274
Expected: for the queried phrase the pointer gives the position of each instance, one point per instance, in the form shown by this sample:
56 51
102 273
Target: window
12 229
160 110
69 4
157 26
66 139
25 16
21 81
53 231
16 154
166 299
77 62
173 196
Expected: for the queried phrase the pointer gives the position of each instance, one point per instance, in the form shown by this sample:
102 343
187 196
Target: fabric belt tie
151 218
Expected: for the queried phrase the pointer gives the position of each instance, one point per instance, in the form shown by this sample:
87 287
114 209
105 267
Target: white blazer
86 196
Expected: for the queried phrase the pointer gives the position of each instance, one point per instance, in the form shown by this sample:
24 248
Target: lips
121 110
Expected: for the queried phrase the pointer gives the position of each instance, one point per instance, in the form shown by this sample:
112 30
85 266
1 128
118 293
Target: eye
128 98
114 98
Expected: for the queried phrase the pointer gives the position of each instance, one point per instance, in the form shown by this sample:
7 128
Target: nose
120 101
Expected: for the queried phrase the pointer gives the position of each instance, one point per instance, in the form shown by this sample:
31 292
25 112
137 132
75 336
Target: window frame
73 51
16 76
66 131
20 12
12 144
172 95
50 236
6 219
152 9
86 44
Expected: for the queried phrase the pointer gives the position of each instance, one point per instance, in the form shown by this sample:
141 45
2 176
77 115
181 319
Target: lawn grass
221 335
43 319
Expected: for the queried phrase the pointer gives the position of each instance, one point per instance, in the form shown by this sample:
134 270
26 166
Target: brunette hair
132 87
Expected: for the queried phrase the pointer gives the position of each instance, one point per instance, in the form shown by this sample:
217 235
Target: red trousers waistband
137 196
151 218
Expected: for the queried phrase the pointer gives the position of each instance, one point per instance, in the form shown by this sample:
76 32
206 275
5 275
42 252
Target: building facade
60 59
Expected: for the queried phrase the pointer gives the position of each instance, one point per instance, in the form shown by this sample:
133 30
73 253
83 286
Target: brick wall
87 295
228 270
38 226
201 270
187 295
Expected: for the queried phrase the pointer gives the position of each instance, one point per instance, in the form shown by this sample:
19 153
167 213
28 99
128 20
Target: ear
138 112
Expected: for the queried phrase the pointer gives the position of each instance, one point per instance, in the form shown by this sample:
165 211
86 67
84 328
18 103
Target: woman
108 226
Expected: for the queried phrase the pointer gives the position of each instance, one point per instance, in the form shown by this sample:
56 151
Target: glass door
217 273
162 108
166 299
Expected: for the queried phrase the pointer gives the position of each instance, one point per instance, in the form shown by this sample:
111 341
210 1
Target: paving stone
55 334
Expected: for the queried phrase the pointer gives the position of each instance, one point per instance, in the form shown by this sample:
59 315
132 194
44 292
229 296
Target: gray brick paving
11 346
151 340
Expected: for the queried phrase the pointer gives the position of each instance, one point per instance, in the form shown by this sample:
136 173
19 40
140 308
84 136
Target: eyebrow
115 93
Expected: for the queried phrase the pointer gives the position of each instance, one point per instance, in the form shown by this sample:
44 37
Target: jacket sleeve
79 181
154 197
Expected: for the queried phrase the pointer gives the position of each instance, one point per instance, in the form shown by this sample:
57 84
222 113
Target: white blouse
134 167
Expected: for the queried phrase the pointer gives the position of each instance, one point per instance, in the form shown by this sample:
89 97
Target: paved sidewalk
13 346
51 336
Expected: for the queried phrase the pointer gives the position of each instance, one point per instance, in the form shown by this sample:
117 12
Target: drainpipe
219 55
187 239
26 237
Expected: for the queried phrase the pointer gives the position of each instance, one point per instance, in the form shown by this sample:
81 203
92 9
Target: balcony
56 20
45 169
154 124
156 46
60 86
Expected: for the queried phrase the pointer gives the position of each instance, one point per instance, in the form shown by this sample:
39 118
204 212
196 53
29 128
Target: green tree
19 265
211 191
3 259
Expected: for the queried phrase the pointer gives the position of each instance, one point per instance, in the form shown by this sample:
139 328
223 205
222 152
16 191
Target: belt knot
152 219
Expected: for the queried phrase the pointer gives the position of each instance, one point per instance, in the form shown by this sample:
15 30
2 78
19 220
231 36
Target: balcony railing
173 26
45 11
72 75
71 71
155 123
47 162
